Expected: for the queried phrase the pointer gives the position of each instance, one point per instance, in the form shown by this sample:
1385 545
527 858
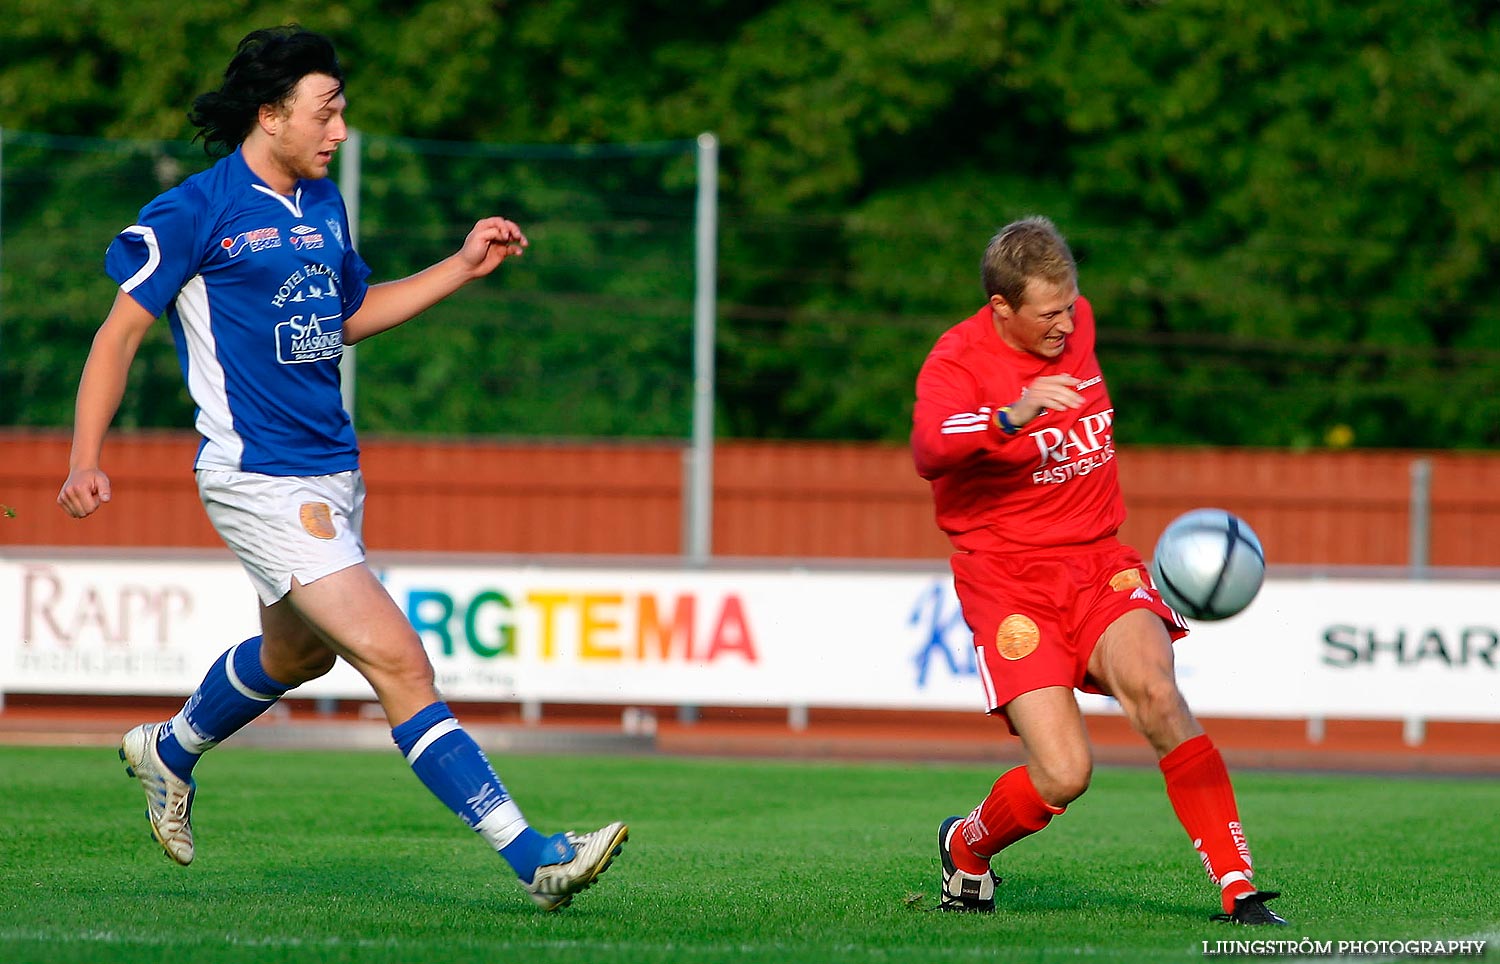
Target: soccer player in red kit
1014 428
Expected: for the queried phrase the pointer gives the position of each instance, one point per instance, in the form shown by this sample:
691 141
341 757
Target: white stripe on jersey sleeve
153 256
966 422
205 378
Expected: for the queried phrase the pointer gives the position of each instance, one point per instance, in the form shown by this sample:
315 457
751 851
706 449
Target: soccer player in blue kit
252 263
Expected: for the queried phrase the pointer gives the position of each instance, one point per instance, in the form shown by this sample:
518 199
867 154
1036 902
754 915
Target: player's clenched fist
83 492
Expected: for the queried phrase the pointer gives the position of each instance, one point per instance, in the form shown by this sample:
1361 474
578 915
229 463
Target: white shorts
305 527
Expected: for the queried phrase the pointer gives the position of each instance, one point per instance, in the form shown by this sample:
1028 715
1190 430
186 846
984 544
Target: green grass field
322 856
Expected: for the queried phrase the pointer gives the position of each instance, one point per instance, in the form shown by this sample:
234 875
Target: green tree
1285 213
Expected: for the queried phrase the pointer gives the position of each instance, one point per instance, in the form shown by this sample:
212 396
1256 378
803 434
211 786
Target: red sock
1012 810
1199 788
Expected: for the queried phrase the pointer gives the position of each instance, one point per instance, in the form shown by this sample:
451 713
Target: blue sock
531 850
451 765
234 691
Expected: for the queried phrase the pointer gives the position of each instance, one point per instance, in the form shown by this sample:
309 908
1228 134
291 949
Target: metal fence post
700 492
1420 514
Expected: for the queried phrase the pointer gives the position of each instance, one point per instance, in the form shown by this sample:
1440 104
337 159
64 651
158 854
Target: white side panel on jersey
205 379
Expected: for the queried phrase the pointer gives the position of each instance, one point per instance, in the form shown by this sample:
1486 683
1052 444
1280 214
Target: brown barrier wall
772 499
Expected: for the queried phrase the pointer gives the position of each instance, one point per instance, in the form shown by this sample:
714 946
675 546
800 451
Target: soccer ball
1208 564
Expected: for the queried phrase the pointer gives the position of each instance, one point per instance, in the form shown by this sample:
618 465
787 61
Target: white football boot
169 799
554 885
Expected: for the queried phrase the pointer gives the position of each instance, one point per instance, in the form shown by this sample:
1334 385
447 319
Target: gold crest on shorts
1127 580
1017 637
317 520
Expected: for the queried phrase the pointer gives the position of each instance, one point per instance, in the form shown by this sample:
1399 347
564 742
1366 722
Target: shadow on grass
1042 894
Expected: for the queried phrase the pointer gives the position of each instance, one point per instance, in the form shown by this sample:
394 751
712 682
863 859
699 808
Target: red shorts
1036 616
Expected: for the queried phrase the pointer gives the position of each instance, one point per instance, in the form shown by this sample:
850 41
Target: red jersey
1052 484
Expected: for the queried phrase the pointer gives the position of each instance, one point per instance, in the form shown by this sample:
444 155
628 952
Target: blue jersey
256 286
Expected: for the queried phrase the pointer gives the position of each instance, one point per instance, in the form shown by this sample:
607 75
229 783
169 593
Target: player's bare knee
1165 720
1155 704
295 657
1078 781
1062 782
414 673
317 664
1063 793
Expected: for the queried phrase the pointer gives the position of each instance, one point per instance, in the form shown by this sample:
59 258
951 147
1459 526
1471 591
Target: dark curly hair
265 69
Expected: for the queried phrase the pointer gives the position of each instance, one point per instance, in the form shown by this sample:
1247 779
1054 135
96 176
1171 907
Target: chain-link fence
589 334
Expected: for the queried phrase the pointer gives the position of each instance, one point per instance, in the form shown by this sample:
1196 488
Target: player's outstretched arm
395 302
99 392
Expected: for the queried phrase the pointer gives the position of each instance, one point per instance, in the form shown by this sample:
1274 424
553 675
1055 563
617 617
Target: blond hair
1025 249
